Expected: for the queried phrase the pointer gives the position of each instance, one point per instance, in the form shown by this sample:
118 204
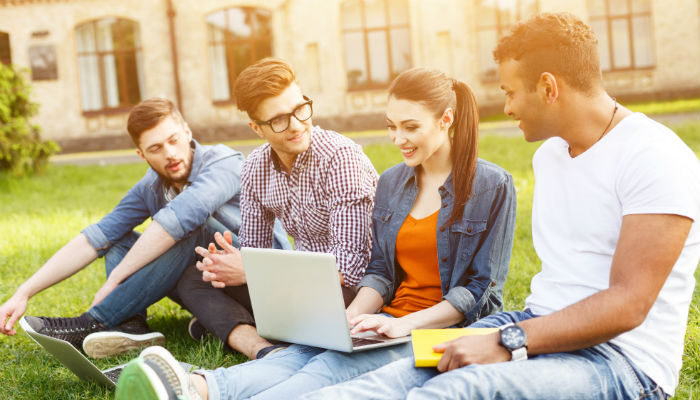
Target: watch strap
519 354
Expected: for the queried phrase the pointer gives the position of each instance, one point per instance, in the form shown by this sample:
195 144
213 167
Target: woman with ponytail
442 230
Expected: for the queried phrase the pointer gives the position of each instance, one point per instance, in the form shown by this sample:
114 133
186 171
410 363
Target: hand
13 309
221 267
105 290
476 349
381 324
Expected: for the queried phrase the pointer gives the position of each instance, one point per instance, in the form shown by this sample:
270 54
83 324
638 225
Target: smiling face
293 141
166 148
416 131
522 104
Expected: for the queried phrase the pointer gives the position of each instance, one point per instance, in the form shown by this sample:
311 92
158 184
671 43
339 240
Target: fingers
444 361
6 327
218 284
225 244
368 324
202 251
228 237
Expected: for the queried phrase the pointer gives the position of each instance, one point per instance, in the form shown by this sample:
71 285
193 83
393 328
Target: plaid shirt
324 203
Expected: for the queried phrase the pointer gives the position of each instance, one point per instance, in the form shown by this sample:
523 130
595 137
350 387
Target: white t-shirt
639 167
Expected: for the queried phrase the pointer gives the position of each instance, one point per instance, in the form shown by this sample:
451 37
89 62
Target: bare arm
154 241
648 247
68 260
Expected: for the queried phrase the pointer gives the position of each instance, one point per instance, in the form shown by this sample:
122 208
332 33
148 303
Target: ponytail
464 149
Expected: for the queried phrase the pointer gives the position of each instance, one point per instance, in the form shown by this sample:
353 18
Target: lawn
39 214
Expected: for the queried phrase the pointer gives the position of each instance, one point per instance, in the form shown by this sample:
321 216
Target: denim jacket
213 190
473 253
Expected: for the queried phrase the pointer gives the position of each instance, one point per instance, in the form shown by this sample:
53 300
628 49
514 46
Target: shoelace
68 325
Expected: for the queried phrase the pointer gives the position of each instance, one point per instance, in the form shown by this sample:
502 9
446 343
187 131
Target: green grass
39 214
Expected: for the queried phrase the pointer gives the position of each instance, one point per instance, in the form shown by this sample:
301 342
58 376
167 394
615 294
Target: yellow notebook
424 339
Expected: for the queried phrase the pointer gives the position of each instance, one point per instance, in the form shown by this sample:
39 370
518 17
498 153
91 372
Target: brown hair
437 92
266 78
557 43
149 113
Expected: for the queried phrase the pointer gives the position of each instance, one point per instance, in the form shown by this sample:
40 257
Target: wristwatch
514 340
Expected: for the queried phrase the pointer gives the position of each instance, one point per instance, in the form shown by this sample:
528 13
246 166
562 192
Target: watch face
513 337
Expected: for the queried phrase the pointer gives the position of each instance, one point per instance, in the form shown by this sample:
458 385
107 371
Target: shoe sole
107 344
138 381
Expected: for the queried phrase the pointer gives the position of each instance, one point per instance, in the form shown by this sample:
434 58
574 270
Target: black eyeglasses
280 123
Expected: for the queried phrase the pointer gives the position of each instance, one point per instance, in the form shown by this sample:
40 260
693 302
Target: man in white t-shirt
614 220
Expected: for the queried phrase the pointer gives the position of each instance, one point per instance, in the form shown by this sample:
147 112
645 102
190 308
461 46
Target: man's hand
381 324
13 309
476 349
221 267
104 291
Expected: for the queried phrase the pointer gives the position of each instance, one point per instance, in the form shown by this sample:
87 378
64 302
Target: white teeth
405 151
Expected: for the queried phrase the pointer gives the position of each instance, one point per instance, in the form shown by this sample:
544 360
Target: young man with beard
189 192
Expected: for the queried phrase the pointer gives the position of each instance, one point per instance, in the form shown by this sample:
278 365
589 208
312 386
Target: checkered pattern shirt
325 203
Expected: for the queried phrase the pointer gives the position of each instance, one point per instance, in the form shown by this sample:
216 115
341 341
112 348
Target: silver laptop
75 361
296 298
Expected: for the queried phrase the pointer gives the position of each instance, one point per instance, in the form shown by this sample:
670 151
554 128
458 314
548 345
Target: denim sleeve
483 293
131 211
214 185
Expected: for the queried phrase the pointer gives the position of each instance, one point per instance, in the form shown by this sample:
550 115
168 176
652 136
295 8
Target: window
623 28
238 37
5 54
377 42
494 19
110 66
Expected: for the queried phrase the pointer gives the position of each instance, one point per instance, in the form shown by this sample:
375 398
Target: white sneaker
155 375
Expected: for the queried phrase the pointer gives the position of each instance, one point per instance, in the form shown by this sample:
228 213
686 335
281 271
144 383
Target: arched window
238 37
110 65
623 28
5 53
494 19
377 42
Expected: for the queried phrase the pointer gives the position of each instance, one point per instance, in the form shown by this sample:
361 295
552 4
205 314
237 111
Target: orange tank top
416 253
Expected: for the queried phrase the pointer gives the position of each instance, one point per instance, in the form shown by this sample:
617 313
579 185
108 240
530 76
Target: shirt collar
412 178
301 159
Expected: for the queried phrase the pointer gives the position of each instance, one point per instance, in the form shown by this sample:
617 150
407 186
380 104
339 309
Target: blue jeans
296 370
598 372
152 282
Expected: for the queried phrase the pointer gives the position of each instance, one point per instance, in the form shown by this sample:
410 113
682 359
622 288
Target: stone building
91 60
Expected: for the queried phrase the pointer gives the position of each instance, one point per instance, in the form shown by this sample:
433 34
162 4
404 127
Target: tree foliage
21 149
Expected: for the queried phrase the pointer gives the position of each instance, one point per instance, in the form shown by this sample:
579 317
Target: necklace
606 126
610 122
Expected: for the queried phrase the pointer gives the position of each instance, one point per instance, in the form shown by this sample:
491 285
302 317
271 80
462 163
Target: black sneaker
134 333
73 330
196 329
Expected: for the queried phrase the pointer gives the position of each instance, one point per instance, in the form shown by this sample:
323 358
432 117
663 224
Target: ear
448 117
188 132
548 88
140 154
256 128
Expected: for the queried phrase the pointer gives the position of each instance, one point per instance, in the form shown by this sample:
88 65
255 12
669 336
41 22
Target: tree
21 149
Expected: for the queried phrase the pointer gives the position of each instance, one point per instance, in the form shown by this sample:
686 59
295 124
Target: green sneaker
155 375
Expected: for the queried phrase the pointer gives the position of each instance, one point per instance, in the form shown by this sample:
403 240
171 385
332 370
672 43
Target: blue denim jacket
473 253
213 190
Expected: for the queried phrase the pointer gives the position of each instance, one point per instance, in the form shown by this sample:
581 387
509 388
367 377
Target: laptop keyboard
358 341
113 375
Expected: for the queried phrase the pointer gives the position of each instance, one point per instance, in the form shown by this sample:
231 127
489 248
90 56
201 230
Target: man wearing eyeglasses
318 183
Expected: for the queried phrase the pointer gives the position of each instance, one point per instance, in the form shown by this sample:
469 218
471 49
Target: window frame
386 28
6 35
501 28
608 18
118 53
230 45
